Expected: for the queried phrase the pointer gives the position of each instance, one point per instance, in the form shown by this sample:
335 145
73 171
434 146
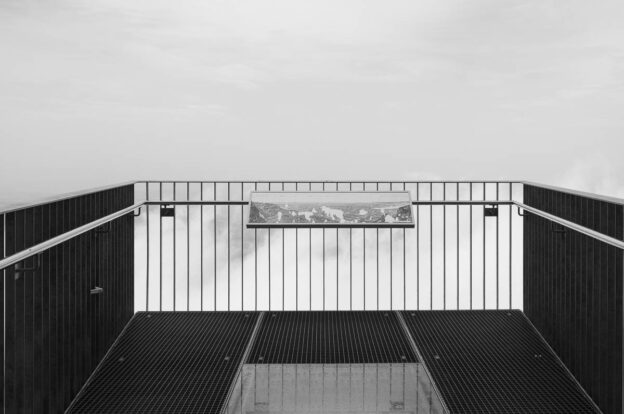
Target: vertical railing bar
337 268
418 247
391 257
188 248
484 246
404 267
310 257
161 263
242 248
364 257
323 260
457 239
201 248
377 230
256 261
444 247
269 246
214 195
147 248
174 246
296 261
431 247
228 246
350 261
510 243
471 246
283 269
497 249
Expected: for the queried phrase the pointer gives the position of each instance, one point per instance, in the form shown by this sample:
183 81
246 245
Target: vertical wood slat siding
573 289
55 331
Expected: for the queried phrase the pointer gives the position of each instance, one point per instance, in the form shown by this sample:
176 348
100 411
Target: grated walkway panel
166 362
331 337
493 362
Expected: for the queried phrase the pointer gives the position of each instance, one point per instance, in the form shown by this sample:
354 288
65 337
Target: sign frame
393 198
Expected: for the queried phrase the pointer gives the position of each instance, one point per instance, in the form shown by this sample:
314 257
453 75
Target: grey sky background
104 91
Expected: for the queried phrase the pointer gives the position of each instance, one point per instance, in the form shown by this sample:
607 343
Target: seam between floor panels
244 357
422 360
99 365
560 362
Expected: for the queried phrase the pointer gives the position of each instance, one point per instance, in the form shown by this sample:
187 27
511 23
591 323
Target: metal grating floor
185 362
167 362
331 337
493 362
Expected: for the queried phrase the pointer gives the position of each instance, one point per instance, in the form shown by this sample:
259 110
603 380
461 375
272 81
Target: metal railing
205 258
453 241
443 263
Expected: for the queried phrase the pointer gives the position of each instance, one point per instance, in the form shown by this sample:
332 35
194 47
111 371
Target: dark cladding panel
573 288
54 327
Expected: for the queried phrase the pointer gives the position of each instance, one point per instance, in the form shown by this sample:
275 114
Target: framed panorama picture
330 209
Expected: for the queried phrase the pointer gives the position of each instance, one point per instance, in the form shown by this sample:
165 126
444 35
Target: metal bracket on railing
20 270
520 212
135 214
491 211
97 290
562 230
167 211
103 229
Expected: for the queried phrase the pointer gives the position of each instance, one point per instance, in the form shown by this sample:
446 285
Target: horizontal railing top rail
168 202
332 181
52 199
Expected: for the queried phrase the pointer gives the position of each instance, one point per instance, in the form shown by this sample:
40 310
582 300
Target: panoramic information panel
330 209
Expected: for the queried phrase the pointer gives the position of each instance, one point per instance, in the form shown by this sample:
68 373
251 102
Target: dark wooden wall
56 332
573 289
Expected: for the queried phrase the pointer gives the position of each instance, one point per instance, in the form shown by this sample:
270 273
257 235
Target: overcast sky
101 91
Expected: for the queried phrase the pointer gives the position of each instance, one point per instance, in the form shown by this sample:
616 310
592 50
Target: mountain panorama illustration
317 208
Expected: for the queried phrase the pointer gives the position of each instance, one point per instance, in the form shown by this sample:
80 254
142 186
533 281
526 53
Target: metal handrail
330 181
244 202
573 226
41 247
196 203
